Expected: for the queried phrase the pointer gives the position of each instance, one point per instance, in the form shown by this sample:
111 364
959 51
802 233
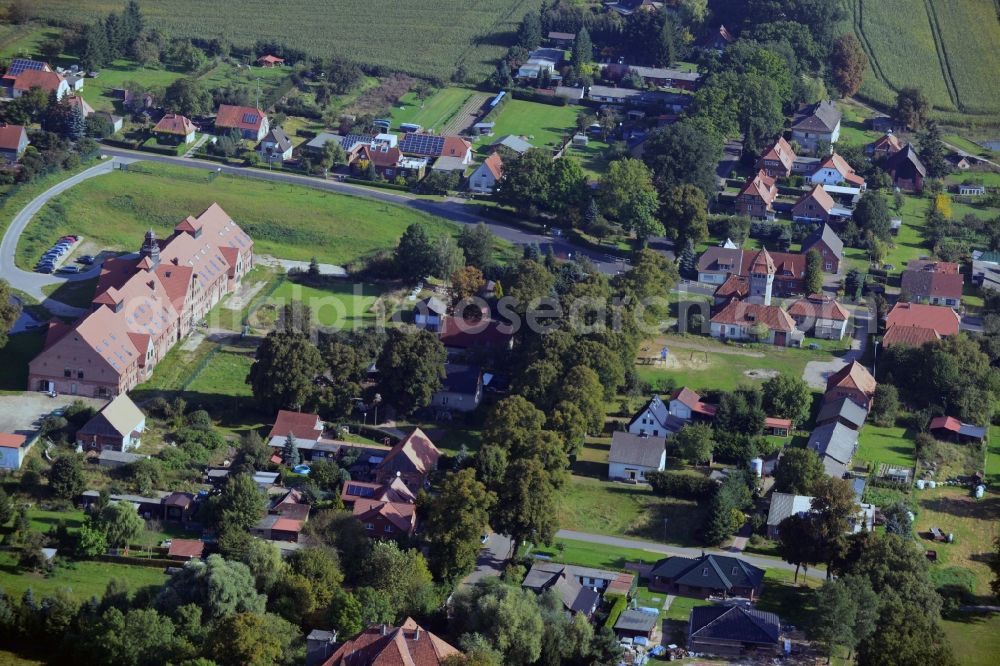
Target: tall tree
187 97
797 471
683 153
628 196
694 443
787 397
912 107
240 504
848 64
453 522
583 50
796 544
685 214
507 616
814 273
219 587
526 181
252 639
415 257
479 244
284 372
411 368
833 510
66 476
872 215
96 51
933 151
290 452
120 523
529 35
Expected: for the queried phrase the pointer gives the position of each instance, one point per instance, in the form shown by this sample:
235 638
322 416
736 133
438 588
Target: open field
431 113
892 446
604 507
401 36
541 124
224 373
975 638
83 579
288 221
717 369
340 305
948 48
973 522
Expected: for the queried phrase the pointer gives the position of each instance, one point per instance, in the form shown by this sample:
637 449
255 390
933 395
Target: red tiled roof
455 146
10 136
840 164
785 264
76 100
11 441
457 332
773 422
735 286
407 645
780 151
762 263
386 158
300 424
819 307
272 59
911 336
287 525
946 422
686 397
36 78
495 164
187 548
820 196
941 319
402 515
761 186
174 123
888 142
738 313
931 265
416 451
240 117
853 376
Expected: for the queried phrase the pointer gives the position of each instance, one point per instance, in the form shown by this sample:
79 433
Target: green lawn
586 554
993 458
892 446
338 304
542 124
78 294
974 638
98 93
722 371
289 221
968 146
852 126
14 357
154 143
83 579
680 608
431 113
604 507
23 41
591 157
225 373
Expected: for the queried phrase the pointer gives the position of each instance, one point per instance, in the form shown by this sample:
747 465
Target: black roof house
718 574
725 625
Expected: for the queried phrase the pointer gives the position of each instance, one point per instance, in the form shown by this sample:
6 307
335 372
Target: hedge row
376 183
495 111
679 484
619 606
541 98
152 562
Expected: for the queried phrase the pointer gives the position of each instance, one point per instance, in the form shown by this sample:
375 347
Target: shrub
619 605
679 484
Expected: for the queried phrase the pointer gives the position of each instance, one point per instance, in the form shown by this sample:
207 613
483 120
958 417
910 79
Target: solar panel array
19 65
250 118
422 144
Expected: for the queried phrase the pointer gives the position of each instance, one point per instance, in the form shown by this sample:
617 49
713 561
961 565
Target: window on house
79 373
67 372
734 571
369 526
704 572
388 528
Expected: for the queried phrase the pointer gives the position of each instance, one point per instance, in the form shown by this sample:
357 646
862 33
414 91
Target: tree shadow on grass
964 507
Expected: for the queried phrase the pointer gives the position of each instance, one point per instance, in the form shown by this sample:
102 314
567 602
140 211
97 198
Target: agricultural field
288 221
949 48
400 36
431 113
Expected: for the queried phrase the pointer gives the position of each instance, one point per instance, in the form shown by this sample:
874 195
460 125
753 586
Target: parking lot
56 258
21 414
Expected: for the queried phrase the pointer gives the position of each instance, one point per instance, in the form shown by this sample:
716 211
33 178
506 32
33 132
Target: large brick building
143 306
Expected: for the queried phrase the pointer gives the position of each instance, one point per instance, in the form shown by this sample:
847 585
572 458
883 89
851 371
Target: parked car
70 238
69 269
45 269
87 259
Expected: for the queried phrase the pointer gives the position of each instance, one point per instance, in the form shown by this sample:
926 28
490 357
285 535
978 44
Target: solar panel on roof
250 118
422 144
19 65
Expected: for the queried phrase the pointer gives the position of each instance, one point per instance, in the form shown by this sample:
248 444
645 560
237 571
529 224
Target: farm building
13 449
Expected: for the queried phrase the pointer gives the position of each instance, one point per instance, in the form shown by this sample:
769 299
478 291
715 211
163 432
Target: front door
780 339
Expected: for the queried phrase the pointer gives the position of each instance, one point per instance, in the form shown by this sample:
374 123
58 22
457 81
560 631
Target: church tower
150 250
761 278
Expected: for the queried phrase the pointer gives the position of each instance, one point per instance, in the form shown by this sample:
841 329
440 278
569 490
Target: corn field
422 37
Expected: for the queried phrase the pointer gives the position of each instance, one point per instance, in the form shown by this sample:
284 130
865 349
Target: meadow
948 48
432 112
288 221
424 37
541 124
338 304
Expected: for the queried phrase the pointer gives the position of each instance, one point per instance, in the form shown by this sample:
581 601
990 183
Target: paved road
491 560
454 210
32 283
618 542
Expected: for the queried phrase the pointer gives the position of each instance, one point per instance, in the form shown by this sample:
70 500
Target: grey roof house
828 245
632 456
511 142
575 597
275 146
733 631
844 411
815 123
708 575
636 623
835 443
461 389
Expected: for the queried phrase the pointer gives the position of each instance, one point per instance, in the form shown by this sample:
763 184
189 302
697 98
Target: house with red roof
143 306
853 382
13 142
745 321
270 61
412 460
932 282
19 83
383 645
13 449
820 316
914 324
777 161
949 428
185 550
386 520
756 199
300 425
174 128
885 146
75 101
816 205
250 122
486 176
834 170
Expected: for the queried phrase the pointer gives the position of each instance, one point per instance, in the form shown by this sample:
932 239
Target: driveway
491 560
29 282
19 413
816 373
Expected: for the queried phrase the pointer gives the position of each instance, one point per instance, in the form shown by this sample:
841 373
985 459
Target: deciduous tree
416 256
797 471
694 443
912 107
787 397
240 504
284 372
453 522
848 64
411 369
683 153
253 639
66 476
479 244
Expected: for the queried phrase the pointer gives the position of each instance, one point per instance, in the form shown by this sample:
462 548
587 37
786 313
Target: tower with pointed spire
761 277
150 250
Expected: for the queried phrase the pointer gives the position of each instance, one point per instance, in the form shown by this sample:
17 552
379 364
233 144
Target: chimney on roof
385 630
416 634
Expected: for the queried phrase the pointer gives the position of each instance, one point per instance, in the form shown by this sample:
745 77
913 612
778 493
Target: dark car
45 269
87 259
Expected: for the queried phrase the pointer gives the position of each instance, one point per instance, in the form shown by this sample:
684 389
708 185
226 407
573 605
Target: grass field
973 522
604 507
892 446
83 579
599 556
948 48
975 638
425 37
431 113
78 294
225 373
288 221
542 124
339 305
97 91
716 369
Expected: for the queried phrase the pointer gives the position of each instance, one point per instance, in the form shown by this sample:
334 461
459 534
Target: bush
926 447
619 605
682 485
